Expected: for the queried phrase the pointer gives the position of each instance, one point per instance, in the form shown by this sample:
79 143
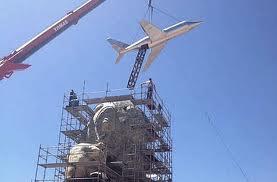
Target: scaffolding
147 159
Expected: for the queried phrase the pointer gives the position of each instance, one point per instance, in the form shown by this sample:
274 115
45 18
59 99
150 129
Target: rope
151 9
227 148
167 14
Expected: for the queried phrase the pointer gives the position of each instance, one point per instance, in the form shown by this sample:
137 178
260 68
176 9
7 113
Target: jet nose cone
198 23
194 23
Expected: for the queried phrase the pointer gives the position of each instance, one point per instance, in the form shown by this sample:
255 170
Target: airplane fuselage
155 40
169 33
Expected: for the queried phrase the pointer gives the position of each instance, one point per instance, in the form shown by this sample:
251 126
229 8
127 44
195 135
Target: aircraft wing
153 55
152 31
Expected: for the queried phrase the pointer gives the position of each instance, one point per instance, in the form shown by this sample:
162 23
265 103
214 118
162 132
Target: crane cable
152 8
227 148
166 13
150 11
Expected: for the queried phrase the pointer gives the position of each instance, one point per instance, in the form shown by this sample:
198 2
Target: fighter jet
155 40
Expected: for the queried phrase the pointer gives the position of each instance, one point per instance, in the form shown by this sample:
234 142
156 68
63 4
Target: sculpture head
84 159
112 131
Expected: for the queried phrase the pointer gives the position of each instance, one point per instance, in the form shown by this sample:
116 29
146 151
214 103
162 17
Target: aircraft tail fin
118 46
119 57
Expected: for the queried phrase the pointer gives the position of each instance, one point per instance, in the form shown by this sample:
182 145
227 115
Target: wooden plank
75 113
56 165
142 101
53 165
108 99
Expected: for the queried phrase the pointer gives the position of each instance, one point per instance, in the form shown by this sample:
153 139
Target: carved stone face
104 121
107 125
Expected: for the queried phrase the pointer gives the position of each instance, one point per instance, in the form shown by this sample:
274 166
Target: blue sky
226 67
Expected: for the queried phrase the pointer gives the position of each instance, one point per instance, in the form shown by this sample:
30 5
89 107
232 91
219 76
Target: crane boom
13 62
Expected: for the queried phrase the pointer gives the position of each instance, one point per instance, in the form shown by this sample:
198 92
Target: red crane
14 61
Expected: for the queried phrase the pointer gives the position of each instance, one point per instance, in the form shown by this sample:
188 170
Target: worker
71 95
73 99
150 90
160 108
